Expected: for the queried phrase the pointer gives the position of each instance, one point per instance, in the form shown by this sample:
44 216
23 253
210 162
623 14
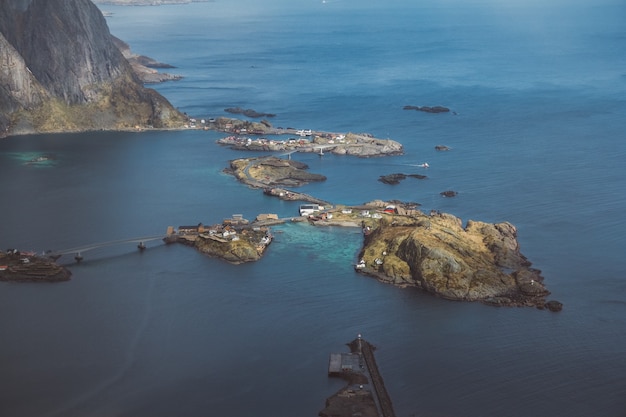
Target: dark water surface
538 140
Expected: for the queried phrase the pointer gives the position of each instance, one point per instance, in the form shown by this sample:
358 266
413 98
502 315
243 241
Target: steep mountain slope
60 70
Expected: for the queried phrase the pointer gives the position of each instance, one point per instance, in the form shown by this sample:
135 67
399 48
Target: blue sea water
537 139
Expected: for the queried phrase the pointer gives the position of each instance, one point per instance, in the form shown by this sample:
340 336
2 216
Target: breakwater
366 350
365 392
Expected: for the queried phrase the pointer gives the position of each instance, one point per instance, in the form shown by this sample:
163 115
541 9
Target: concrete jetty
365 393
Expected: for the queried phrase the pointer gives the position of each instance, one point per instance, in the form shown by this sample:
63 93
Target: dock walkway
359 365
383 399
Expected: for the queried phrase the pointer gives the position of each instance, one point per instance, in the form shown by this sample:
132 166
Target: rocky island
339 144
29 267
304 140
248 112
427 109
272 174
272 171
394 179
235 240
436 253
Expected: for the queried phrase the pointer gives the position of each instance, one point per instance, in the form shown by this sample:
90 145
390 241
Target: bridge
79 250
319 149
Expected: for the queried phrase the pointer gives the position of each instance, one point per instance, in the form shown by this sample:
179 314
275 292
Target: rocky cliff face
478 262
60 70
19 89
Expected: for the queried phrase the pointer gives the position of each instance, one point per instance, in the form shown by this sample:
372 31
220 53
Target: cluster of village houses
229 229
279 145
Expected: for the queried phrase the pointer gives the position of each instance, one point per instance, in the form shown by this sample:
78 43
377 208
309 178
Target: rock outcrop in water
146 68
248 112
394 179
428 109
478 262
27 267
272 171
60 71
234 243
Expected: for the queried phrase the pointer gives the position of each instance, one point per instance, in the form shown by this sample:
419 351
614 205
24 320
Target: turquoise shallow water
537 140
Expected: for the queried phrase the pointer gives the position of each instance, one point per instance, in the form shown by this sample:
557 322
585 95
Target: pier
366 392
366 350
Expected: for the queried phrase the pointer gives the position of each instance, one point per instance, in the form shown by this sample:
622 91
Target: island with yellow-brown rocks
438 254
235 240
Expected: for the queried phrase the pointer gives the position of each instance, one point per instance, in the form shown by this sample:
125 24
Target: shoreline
521 286
208 126
304 141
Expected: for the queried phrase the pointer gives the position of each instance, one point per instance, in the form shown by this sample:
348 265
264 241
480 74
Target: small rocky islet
435 252
235 240
21 266
248 112
363 145
393 179
272 171
427 109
